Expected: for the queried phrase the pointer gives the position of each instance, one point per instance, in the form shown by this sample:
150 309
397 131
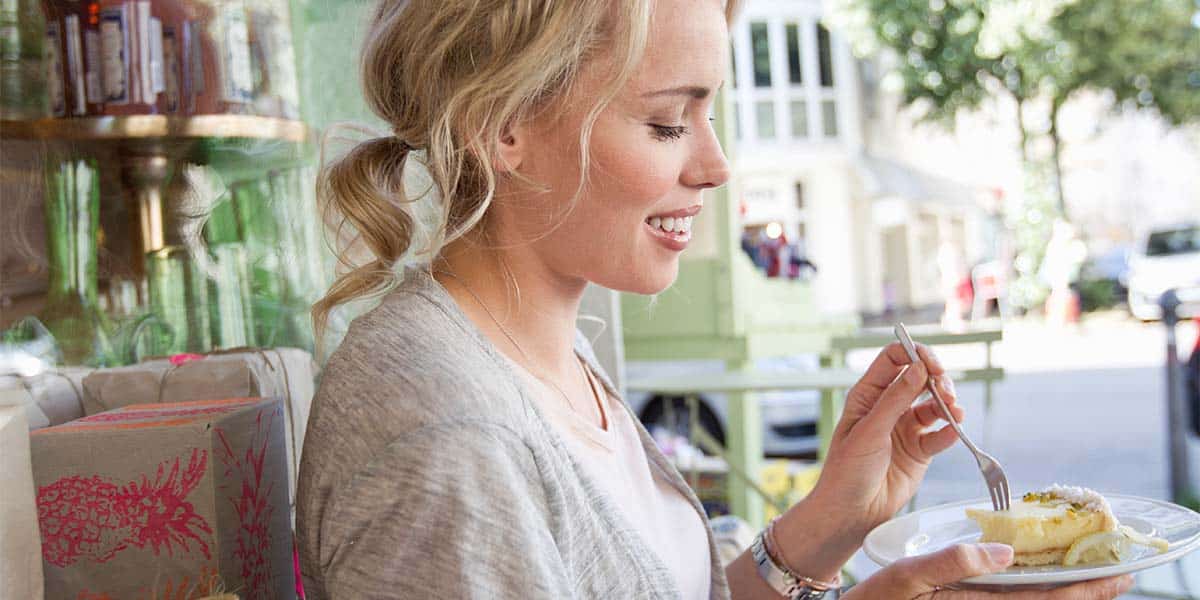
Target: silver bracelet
782 579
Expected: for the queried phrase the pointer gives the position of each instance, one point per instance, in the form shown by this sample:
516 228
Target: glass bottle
178 290
277 92
251 203
72 311
295 270
231 312
219 72
22 60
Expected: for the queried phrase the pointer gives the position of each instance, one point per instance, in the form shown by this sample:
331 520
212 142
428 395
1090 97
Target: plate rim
1020 579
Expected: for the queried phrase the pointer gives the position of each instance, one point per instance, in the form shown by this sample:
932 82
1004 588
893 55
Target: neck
527 301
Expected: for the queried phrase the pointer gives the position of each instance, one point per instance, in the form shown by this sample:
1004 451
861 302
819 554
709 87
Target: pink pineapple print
253 506
91 517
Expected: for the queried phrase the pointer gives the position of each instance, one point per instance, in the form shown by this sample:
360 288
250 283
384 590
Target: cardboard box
242 373
20 544
179 500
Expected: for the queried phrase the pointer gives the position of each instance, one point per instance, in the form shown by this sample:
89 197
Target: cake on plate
1061 525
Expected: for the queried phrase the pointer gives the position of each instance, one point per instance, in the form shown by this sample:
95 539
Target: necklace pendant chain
521 350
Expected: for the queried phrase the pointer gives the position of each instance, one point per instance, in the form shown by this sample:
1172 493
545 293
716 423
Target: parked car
1167 258
789 418
1104 278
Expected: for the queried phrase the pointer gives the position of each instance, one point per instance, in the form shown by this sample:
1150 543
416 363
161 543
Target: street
1079 406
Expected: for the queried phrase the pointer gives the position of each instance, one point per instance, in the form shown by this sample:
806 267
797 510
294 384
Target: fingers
928 412
936 442
894 401
892 360
953 564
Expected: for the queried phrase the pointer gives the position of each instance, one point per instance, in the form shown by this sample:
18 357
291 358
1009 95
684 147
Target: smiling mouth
677 222
677 225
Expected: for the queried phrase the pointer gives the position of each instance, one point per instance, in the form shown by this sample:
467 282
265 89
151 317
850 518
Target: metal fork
993 473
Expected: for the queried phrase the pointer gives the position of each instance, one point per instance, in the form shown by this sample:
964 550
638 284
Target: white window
784 79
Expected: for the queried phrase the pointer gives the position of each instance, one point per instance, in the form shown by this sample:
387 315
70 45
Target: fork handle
911 349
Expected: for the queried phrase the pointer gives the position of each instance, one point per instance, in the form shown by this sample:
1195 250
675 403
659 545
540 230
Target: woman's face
652 152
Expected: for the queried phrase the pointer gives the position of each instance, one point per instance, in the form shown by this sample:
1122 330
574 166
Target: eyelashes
667 133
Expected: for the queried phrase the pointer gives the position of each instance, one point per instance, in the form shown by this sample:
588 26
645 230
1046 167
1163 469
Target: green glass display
72 311
271 224
231 315
179 298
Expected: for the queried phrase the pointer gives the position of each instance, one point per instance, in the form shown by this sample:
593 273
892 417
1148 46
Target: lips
673 229
689 211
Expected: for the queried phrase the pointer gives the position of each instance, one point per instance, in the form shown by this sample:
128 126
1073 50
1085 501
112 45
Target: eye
669 132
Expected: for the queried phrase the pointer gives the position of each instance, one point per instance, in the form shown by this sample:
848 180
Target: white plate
935 528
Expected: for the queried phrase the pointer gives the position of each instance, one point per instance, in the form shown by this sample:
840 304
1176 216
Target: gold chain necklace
524 355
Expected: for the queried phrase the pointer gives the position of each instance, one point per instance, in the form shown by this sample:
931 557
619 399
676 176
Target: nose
707 167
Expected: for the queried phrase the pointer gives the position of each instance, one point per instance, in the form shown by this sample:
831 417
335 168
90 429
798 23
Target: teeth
671 224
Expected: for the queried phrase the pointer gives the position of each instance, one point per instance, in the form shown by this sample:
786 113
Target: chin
647 281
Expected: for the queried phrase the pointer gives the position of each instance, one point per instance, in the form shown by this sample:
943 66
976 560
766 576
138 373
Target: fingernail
1001 555
949 386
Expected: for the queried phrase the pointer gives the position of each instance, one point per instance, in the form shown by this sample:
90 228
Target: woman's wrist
816 538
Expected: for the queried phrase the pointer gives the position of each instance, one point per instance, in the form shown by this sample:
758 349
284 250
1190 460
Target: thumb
954 564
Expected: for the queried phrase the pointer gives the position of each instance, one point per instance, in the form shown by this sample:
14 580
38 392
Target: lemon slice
1109 547
1145 540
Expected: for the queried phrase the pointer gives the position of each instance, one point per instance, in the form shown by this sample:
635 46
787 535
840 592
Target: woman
464 442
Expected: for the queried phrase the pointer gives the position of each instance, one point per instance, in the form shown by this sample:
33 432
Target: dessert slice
1043 525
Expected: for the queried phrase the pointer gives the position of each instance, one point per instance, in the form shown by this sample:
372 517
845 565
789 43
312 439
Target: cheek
633 176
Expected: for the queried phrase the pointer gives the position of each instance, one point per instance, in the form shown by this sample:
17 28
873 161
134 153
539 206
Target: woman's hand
880 448
926 577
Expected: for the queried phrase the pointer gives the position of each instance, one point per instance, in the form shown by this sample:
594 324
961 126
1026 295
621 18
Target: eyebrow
695 91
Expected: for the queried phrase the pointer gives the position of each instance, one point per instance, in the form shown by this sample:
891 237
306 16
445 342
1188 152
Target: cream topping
1090 499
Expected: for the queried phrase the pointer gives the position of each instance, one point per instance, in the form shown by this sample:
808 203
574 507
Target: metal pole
1176 411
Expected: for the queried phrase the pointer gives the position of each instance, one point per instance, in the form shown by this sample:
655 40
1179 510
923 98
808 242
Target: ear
513 143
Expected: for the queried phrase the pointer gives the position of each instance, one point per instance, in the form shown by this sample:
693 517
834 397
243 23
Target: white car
789 418
1166 258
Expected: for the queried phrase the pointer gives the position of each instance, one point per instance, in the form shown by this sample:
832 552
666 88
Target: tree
953 54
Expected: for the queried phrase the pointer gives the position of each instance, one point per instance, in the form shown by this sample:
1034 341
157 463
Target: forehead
687 45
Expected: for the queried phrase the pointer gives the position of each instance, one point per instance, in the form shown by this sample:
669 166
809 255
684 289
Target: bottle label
171 75
91 49
74 44
239 80
157 77
143 69
114 51
54 84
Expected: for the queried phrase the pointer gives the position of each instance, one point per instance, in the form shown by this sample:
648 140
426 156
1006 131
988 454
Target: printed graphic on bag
94 518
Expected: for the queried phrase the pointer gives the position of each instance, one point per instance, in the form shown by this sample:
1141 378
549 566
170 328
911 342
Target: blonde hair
448 76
